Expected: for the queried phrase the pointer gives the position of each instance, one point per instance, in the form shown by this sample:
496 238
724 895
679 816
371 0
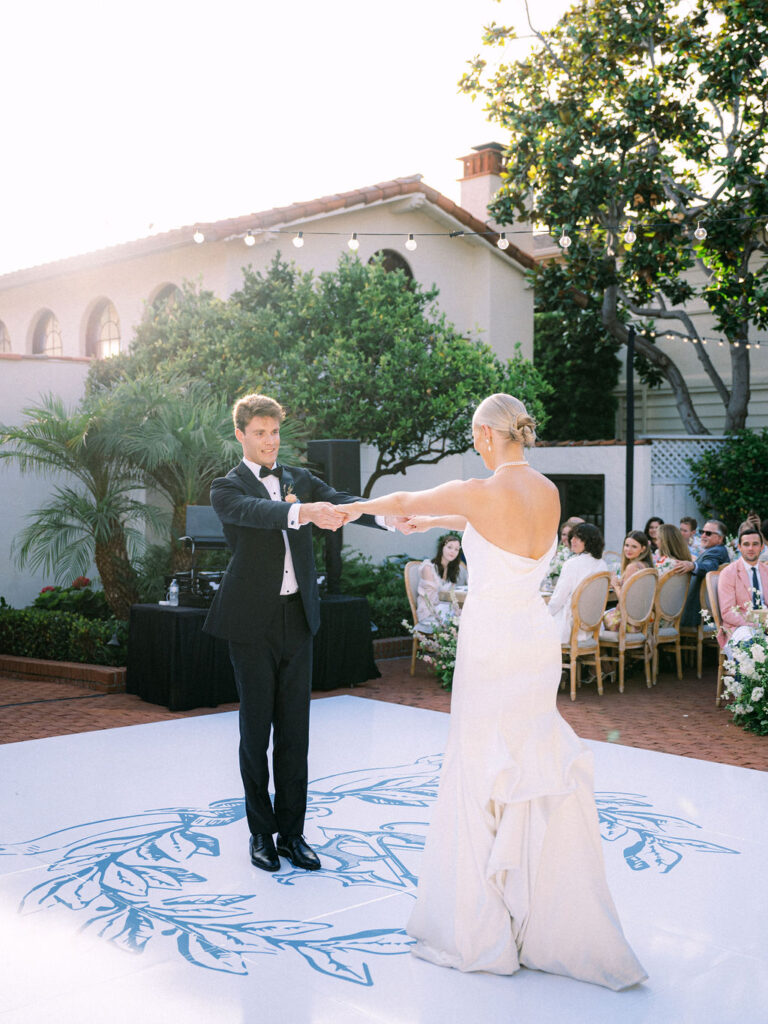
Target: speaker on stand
338 463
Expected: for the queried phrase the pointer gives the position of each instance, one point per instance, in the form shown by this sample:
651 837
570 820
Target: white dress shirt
290 583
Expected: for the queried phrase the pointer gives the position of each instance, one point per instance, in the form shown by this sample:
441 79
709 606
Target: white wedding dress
512 874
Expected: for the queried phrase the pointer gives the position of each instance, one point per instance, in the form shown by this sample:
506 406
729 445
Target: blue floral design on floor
119 874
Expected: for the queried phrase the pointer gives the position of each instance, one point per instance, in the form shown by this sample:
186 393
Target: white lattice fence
671 476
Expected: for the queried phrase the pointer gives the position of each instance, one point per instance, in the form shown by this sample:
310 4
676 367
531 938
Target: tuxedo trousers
274 682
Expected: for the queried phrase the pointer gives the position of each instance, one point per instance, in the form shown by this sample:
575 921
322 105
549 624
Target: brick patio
676 717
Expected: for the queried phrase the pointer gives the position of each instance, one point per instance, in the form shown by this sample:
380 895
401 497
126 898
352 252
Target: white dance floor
127 895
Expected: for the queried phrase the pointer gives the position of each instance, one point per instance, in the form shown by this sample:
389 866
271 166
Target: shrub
62 636
77 598
383 585
732 480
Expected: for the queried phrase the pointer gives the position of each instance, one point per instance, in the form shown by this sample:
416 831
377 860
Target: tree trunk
738 404
672 375
117 575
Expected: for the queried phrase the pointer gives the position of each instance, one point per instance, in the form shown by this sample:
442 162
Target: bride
512 873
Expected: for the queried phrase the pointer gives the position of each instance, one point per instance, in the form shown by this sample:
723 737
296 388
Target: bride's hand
417 524
351 511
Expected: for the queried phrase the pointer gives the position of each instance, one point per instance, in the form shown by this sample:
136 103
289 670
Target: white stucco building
56 318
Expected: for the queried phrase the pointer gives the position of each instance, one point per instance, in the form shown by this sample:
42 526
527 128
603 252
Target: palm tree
96 518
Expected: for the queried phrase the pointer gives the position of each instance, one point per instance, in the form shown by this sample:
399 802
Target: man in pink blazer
742 585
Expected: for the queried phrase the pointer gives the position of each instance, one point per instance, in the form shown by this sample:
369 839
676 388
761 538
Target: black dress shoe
298 852
263 853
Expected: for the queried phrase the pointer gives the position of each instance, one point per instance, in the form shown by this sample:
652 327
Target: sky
121 120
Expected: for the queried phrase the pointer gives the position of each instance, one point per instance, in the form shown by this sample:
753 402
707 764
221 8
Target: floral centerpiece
746 677
559 559
438 648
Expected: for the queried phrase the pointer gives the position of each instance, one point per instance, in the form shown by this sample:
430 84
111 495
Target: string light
353 243
629 236
700 233
411 243
503 242
298 239
564 241
198 236
250 239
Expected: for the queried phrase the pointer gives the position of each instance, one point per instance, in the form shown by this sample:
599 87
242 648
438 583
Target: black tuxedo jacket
248 599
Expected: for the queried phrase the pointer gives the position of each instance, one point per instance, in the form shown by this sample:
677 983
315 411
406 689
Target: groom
268 608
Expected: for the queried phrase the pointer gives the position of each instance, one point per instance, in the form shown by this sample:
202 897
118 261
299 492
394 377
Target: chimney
481 182
482 178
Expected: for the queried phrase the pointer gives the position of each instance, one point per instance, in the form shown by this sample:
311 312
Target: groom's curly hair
248 406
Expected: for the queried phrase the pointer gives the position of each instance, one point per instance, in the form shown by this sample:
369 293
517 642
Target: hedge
62 636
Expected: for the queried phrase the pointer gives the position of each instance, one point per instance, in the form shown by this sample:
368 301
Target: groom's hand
322 514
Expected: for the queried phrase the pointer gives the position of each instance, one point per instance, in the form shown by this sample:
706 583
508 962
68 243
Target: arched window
46 340
103 334
392 260
166 298
5 338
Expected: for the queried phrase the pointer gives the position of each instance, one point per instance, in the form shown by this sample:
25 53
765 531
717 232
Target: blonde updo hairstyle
509 417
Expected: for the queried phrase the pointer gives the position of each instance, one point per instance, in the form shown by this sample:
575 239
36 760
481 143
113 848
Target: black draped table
171 661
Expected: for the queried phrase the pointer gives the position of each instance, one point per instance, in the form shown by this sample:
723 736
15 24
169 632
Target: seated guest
741 586
672 548
566 529
586 559
651 531
635 555
688 529
435 575
713 554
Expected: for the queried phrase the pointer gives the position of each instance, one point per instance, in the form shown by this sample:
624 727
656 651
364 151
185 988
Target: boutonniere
288 494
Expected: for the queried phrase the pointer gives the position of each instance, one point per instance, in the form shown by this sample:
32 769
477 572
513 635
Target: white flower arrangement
559 559
746 677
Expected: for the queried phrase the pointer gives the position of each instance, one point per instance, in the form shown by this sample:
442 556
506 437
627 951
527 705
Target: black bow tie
277 471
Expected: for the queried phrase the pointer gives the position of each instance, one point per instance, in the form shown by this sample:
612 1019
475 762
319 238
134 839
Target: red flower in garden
47 590
80 582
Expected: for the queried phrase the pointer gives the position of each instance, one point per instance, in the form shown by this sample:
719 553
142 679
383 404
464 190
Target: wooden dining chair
587 607
713 606
671 592
636 600
694 638
421 629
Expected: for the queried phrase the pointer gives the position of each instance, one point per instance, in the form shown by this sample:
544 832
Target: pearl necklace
519 462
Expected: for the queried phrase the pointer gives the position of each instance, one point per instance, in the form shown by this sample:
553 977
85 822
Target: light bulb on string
298 239
198 236
249 238
564 241
700 233
353 243
721 343
411 243
503 241
629 236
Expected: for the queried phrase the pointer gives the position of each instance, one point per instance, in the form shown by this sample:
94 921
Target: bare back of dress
513 873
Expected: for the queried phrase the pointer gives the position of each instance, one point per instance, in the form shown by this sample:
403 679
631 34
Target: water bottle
173 594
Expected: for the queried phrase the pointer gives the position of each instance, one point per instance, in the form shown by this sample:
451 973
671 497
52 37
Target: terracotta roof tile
296 212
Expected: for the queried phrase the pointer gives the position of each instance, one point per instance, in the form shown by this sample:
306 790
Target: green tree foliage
577 356
647 113
732 480
357 352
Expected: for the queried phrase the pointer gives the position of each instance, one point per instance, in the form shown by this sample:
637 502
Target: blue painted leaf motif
611 830
214 899
342 957
175 845
130 930
120 878
278 930
205 954
168 878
